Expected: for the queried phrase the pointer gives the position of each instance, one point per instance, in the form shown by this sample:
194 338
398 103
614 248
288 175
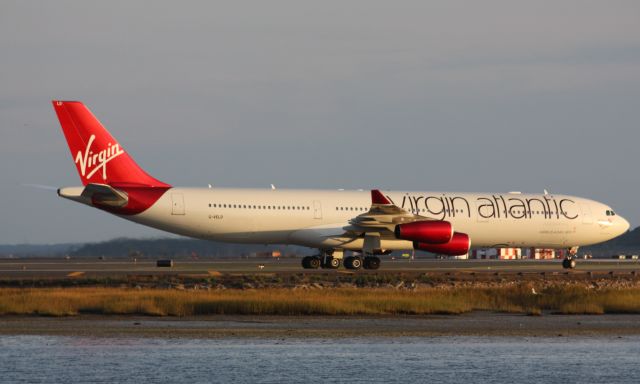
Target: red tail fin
98 156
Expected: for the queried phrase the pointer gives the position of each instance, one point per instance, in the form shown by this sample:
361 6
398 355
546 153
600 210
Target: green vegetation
335 301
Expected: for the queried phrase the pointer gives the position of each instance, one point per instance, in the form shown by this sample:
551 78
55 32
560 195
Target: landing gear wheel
305 262
314 262
353 262
347 262
569 263
371 262
334 263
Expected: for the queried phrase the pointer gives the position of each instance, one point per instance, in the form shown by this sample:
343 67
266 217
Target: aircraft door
177 204
317 209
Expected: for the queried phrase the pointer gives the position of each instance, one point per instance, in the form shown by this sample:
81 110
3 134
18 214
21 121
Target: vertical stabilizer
99 158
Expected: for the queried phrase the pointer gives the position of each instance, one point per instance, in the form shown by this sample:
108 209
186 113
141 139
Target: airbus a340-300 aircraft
369 222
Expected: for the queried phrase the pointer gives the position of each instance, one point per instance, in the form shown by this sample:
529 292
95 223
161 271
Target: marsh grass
336 301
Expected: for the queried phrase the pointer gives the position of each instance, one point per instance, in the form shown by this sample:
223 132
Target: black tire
334 263
305 262
371 262
314 262
356 263
347 262
568 263
572 263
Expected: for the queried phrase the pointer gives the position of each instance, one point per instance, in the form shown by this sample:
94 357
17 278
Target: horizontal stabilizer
103 194
100 195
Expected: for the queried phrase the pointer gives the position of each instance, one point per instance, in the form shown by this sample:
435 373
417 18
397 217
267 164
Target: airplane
368 223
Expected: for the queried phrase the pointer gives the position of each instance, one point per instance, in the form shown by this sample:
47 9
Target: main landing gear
317 261
357 262
327 259
570 261
331 259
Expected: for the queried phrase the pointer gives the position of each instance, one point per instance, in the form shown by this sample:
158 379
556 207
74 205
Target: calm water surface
65 359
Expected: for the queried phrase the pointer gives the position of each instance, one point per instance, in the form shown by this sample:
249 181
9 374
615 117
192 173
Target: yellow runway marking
214 273
75 274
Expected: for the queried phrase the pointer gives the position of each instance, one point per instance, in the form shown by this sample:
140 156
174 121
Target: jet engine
459 245
432 232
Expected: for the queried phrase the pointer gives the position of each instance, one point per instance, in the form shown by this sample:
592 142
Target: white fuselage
317 218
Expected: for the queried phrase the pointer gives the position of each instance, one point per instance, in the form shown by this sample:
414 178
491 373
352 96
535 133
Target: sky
410 95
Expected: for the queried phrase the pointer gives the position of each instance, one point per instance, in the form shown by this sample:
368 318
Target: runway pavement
16 269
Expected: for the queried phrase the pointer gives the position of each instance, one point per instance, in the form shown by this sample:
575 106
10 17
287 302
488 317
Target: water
68 359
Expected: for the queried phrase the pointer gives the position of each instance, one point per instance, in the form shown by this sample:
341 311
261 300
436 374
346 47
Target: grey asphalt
59 268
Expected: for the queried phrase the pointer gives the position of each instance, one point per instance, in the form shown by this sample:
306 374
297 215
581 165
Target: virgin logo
92 162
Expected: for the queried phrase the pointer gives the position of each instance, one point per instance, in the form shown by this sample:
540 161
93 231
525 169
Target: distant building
274 254
514 253
497 253
485 253
542 253
509 253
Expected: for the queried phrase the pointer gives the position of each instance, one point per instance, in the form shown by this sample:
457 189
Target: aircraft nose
622 225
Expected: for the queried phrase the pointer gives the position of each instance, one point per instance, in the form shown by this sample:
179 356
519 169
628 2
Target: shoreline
474 324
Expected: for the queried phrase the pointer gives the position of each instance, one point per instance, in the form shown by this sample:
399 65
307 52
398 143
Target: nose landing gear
570 261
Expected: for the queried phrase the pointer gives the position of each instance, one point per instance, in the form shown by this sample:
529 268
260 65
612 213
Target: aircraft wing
382 217
380 222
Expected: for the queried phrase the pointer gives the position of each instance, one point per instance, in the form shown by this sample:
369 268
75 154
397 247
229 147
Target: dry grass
338 301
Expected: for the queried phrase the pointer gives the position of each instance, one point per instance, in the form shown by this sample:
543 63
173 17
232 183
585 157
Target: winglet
378 198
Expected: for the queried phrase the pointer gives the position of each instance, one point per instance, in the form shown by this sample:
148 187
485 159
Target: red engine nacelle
459 245
433 232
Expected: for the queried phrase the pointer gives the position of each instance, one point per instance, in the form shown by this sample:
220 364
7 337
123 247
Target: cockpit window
610 213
